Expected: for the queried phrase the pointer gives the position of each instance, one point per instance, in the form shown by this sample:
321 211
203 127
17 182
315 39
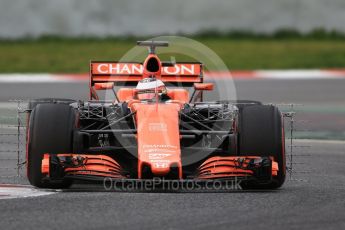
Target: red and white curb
42 78
256 74
12 191
280 74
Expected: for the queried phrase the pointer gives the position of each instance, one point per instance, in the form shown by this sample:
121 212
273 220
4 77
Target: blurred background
61 36
74 18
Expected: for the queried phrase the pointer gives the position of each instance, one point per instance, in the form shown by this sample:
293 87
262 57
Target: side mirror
104 86
203 86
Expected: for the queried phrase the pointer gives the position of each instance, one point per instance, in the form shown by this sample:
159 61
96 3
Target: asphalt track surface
314 198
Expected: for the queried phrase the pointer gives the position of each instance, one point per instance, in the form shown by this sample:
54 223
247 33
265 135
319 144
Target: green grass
73 55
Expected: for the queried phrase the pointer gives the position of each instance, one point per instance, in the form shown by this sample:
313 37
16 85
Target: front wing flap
57 166
260 168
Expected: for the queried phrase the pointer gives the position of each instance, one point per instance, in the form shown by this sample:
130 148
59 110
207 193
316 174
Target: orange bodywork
104 85
91 165
158 137
203 86
224 167
126 94
181 95
45 167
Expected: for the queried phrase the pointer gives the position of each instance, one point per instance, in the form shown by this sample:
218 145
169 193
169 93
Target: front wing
101 167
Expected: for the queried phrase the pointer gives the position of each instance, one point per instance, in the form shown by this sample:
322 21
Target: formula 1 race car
148 130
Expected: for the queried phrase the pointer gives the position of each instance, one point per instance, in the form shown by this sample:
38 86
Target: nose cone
158 138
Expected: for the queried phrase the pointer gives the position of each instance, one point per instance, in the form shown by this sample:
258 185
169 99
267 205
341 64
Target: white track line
299 74
320 141
39 78
8 191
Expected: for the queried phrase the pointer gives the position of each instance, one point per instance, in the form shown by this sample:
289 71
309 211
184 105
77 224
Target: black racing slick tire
34 102
50 131
261 133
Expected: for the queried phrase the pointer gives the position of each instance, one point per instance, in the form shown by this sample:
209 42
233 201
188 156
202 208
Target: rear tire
261 133
50 131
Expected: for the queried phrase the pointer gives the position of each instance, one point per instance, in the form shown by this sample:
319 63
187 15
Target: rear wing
129 73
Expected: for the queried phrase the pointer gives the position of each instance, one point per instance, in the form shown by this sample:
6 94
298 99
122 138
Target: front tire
261 133
34 102
50 131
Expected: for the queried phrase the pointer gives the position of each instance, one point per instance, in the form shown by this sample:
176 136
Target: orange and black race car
157 125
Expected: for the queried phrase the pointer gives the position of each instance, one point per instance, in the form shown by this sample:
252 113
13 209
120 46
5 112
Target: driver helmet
148 87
